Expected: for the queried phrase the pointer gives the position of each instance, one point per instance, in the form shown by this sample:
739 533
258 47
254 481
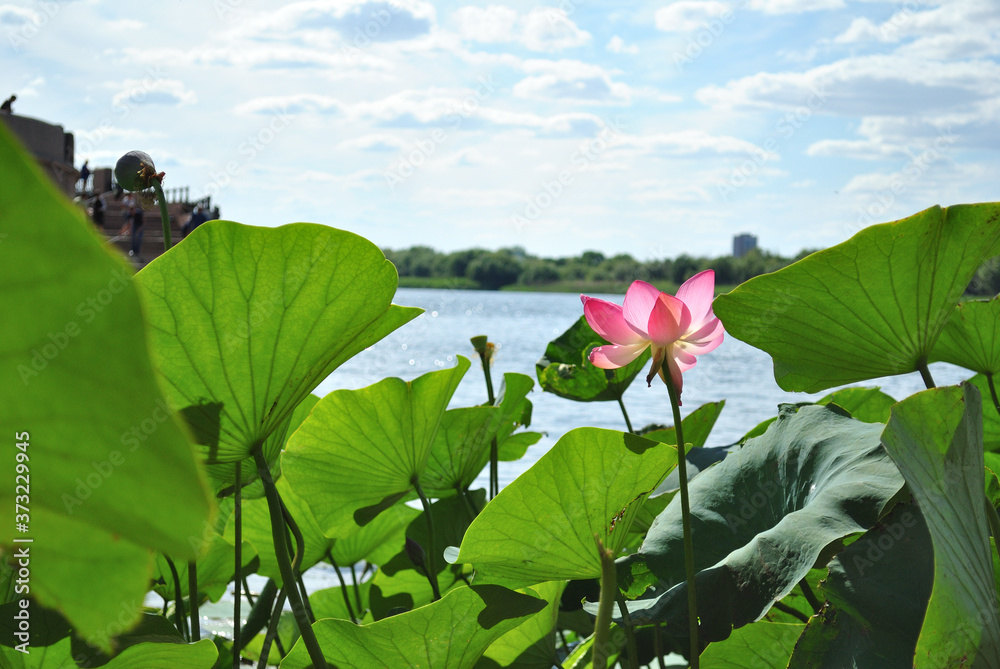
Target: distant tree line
514 268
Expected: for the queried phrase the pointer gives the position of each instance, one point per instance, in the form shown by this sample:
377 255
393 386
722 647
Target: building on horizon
743 244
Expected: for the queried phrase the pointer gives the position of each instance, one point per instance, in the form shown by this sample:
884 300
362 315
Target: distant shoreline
586 287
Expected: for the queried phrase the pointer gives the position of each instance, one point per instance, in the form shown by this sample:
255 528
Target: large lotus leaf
762 518
247 321
762 645
201 655
565 370
877 591
451 633
223 476
869 405
360 451
541 527
456 458
532 644
108 473
935 437
329 602
971 338
378 541
256 521
398 583
869 307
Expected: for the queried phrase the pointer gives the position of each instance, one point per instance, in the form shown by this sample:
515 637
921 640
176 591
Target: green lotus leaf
762 518
565 371
869 405
247 321
329 602
532 644
451 633
81 391
869 307
991 419
877 591
223 476
361 451
761 645
398 583
697 426
971 337
936 440
541 527
378 541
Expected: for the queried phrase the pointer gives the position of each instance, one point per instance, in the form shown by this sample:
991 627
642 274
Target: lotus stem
343 586
685 520
925 374
429 567
260 614
994 520
178 599
609 592
628 423
238 538
633 647
285 564
193 599
272 632
781 606
246 590
993 392
485 350
807 591
164 216
300 552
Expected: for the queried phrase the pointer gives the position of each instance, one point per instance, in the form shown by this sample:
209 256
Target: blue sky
652 129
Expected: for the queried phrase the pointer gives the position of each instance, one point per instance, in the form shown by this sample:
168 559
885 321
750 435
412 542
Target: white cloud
541 29
617 45
570 80
153 91
689 15
373 142
794 6
689 143
861 30
863 86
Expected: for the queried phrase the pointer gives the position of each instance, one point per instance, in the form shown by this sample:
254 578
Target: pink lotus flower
678 328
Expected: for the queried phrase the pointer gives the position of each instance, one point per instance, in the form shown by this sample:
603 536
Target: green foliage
449 634
869 307
762 518
566 371
541 527
936 440
107 473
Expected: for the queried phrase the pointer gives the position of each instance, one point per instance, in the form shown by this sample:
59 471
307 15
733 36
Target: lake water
521 325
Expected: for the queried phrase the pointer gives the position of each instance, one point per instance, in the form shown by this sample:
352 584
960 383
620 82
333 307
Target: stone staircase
152 240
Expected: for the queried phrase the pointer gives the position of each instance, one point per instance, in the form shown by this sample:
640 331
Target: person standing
84 175
99 207
137 222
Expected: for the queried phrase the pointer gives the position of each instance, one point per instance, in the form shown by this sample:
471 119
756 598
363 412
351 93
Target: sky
647 128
